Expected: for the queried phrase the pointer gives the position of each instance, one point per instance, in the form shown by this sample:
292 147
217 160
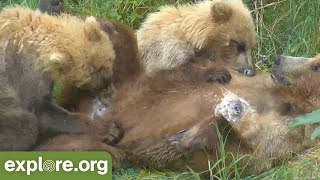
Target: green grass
219 169
28 3
290 27
130 12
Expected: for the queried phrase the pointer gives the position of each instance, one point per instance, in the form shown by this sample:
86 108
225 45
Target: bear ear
92 29
221 12
60 62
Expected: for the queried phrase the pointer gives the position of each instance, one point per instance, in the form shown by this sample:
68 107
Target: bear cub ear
221 12
92 29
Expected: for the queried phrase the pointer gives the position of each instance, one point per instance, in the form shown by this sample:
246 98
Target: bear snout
249 72
277 59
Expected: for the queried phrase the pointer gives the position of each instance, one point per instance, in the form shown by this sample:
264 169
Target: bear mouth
279 79
274 78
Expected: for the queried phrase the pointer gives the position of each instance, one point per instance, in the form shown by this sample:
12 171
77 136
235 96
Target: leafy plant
310 118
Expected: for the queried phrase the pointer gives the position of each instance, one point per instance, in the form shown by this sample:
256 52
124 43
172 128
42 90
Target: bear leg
18 130
208 134
82 143
197 137
195 72
55 120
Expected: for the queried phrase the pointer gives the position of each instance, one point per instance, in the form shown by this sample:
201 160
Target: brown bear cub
174 36
37 49
127 64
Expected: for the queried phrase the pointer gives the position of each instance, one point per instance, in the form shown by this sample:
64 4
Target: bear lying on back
37 49
168 123
173 36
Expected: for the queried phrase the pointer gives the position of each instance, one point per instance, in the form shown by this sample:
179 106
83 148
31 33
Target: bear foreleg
55 120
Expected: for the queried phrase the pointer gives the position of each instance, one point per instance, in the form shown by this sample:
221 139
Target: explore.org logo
39 165
30 166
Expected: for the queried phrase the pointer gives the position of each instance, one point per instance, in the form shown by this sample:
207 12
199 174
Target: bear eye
315 67
241 47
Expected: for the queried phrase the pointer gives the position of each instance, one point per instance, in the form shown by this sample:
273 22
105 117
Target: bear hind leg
83 143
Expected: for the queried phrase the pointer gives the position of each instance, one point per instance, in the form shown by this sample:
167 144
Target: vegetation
290 27
309 118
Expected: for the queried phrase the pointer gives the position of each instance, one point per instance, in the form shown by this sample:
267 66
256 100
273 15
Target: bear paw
220 76
232 108
50 6
110 133
176 140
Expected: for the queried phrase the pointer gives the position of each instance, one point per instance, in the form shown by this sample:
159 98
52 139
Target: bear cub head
232 37
86 63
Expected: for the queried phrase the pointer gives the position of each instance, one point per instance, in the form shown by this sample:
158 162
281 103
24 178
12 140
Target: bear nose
277 59
250 72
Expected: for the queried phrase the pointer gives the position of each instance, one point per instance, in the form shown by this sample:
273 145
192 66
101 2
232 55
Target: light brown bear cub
37 49
69 49
127 65
173 36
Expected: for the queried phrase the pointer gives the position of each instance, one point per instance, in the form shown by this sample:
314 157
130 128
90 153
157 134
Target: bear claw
221 76
176 139
110 133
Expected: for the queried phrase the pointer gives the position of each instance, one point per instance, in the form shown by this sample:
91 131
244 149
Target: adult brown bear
167 123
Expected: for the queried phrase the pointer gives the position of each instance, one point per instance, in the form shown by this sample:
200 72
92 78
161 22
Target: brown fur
127 64
72 63
175 35
37 49
82 143
152 110
167 123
